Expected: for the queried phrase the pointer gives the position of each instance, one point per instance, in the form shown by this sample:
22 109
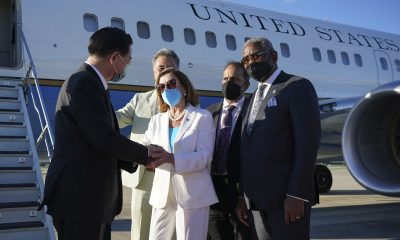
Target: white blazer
193 149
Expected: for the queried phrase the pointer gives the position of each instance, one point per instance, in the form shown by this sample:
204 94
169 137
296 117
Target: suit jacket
193 147
228 193
83 181
137 113
279 154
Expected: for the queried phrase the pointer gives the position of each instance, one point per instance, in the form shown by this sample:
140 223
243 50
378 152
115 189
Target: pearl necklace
176 118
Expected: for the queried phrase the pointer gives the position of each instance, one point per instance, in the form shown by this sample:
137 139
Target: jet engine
371 140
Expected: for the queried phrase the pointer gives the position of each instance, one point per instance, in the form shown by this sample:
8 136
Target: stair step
8 98
17 225
17 185
20 231
17 176
12 137
21 214
10 160
19 204
14 152
10 82
7 86
11 117
10 104
13 131
24 194
14 168
11 123
14 145
9 93
9 110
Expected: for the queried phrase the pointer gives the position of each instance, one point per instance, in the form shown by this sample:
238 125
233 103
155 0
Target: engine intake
371 140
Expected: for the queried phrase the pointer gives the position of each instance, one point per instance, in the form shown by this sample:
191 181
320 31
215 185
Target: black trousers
68 229
223 223
270 225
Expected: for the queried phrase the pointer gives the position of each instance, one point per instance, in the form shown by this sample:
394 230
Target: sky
381 15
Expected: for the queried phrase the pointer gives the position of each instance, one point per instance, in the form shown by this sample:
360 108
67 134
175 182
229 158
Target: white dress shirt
235 113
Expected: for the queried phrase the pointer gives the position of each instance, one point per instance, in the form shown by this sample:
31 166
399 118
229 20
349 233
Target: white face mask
118 76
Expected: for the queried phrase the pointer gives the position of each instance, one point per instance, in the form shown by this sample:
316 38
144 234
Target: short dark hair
108 40
239 65
191 95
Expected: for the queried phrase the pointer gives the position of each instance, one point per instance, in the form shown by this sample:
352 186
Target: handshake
158 156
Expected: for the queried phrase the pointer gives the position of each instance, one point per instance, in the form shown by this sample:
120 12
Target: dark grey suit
83 182
222 214
279 154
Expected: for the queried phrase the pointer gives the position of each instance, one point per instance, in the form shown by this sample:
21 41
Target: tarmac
348 211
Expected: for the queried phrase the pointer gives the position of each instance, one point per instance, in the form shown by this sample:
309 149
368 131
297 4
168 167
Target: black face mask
259 70
231 90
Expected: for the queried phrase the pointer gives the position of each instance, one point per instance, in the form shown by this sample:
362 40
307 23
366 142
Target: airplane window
167 33
285 51
211 39
118 23
358 60
90 22
230 42
397 63
345 58
143 30
331 56
190 36
316 54
246 38
384 64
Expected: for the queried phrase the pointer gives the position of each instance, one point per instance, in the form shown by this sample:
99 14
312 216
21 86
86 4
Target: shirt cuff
304 200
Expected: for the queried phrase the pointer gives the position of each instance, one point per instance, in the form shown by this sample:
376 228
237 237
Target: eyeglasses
254 57
170 85
129 63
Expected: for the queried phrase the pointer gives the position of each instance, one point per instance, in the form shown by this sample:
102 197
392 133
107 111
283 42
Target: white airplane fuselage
343 62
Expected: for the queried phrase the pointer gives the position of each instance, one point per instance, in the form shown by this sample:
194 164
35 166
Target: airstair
21 180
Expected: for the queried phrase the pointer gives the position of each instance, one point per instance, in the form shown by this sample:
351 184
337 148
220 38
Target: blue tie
218 165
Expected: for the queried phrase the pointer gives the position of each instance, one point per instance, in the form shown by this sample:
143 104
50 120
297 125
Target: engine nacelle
371 140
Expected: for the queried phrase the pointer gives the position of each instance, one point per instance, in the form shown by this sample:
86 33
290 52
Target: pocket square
272 102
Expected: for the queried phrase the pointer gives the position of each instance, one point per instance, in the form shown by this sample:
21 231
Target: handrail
45 127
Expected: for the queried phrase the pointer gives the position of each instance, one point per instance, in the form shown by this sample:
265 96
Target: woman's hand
160 156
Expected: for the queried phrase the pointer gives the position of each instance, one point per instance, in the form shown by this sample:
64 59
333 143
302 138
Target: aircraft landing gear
324 178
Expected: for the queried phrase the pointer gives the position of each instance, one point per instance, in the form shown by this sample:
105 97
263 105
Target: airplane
355 71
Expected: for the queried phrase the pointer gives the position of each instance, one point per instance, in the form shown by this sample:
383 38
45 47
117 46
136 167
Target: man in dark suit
83 189
225 166
280 139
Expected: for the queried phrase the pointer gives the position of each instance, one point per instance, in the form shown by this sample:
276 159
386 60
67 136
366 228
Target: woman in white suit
182 188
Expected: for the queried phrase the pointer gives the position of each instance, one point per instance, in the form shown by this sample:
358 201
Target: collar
103 80
271 79
238 104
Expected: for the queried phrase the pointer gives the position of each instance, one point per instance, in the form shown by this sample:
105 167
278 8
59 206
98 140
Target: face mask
259 70
231 90
171 96
119 76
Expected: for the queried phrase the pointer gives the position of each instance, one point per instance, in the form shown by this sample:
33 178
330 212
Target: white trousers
190 224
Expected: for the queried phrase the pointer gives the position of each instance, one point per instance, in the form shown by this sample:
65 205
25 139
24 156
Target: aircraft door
384 67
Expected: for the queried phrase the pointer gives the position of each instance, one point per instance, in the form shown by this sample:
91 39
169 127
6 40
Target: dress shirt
235 113
103 80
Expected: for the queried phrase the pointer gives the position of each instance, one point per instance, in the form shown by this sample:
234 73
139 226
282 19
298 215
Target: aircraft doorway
9 50
384 67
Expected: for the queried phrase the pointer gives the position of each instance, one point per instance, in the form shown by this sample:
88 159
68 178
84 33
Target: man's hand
241 211
158 156
293 208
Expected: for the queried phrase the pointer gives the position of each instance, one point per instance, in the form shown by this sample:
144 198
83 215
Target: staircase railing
46 130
